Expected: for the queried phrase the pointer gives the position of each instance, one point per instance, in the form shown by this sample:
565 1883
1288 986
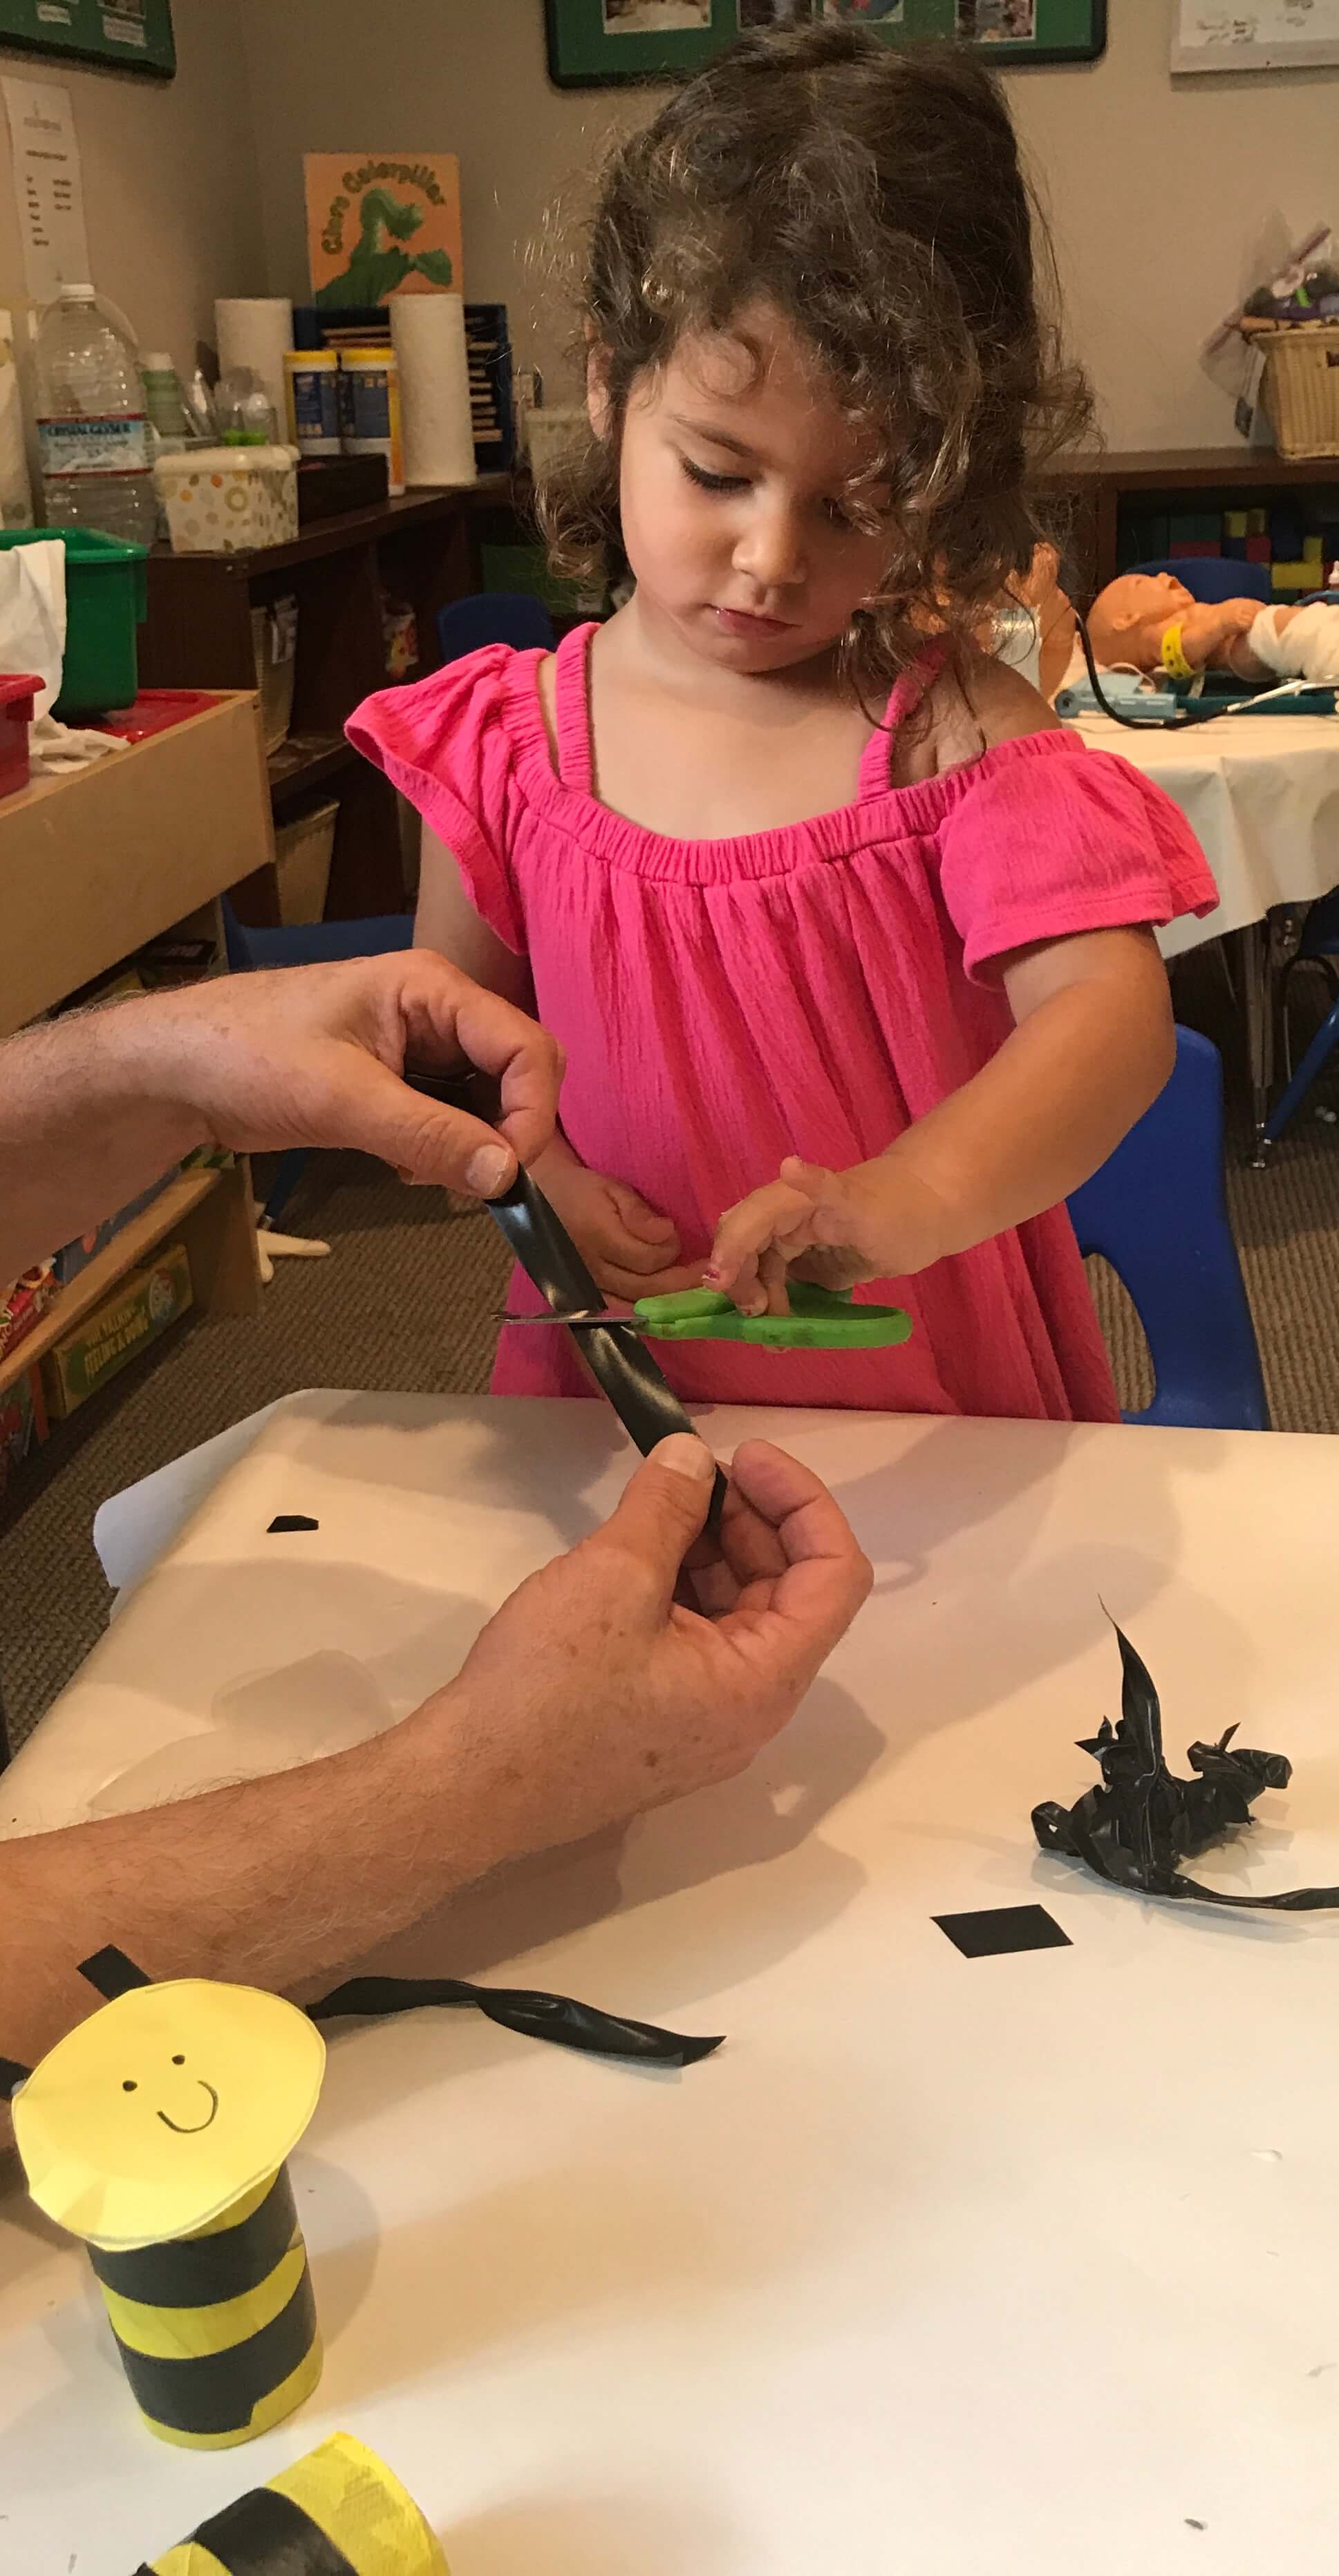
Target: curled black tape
615 1354
520 2008
1135 1830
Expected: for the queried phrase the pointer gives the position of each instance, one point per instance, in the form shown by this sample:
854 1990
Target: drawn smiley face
160 2111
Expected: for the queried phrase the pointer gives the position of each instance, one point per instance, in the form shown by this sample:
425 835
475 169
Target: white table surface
1010 2267
1261 794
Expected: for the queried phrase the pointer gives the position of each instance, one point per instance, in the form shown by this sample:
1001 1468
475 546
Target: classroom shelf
1092 488
424 550
123 1254
306 761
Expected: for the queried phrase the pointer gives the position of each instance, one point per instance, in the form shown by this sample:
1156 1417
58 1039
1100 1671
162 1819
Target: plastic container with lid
229 500
369 409
92 427
106 603
313 400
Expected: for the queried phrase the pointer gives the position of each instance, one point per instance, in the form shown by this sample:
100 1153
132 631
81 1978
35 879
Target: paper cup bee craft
157 2131
339 2512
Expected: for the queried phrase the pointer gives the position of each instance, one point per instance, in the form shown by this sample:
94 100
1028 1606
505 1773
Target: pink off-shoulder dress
809 990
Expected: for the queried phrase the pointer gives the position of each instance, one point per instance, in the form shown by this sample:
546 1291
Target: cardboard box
74 1257
23 1423
23 1306
146 1302
97 863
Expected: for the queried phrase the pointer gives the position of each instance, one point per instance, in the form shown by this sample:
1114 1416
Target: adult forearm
274 1882
82 1129
1038 1119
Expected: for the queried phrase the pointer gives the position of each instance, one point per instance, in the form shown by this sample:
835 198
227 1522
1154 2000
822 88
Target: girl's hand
630 1250
876 1221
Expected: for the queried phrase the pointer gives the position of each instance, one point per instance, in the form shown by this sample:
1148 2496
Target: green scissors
820 1319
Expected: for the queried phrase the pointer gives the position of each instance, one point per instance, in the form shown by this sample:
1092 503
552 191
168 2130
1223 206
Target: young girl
873 973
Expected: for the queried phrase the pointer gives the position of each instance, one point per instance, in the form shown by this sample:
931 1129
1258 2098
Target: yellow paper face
154 2115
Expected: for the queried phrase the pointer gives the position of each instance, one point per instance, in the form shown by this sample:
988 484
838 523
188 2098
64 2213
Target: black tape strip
265 2534
616 1354
520 2008
113 1974
197 2272
1002 1929
218 2392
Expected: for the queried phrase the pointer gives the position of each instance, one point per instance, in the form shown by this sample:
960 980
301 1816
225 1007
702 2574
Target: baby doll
1152 621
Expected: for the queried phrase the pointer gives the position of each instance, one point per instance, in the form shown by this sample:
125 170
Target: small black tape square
1000 1928
290 1521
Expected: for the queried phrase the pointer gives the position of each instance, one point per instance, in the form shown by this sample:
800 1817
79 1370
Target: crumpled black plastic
520 2008
1135 1829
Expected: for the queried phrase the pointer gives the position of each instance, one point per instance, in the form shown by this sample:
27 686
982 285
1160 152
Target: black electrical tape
266 2534
616 1354
519 2008
198 2271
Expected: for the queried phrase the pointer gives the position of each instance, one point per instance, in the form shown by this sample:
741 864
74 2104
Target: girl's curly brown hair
875 197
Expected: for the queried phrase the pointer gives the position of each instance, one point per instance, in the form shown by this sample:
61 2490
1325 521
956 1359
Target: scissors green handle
820 1319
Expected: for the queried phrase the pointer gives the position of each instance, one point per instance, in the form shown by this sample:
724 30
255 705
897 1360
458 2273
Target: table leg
1254 947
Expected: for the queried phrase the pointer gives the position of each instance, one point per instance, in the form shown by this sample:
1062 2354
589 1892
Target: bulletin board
595 42
131 35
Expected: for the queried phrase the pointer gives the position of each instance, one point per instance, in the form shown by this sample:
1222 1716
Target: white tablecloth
1261 793
1023 2265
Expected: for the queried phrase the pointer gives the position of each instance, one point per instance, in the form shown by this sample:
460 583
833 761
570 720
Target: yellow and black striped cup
338 2512
217 2331
158 2131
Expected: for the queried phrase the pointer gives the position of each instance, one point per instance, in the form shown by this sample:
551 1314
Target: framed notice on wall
134 35
1266 36
592 42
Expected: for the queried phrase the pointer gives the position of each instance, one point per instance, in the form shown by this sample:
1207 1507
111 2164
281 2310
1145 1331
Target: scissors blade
594 1316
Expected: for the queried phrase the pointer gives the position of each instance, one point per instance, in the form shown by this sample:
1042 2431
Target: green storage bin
106 603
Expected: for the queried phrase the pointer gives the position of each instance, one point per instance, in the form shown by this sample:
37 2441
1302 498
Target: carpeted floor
408 1300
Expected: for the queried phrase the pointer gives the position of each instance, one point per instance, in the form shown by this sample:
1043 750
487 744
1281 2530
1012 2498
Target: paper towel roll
429 336
256 331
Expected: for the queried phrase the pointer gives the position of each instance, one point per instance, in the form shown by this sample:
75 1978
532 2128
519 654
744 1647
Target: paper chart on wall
1265 35
48 187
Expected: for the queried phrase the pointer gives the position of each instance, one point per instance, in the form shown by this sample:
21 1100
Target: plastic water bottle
93 434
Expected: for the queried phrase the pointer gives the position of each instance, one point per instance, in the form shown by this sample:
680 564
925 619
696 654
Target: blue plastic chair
1214 577
1157 1211
512 617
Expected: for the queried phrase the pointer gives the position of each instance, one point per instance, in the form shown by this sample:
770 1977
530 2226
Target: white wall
1162 192
169 180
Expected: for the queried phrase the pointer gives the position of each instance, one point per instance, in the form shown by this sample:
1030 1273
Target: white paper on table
48 187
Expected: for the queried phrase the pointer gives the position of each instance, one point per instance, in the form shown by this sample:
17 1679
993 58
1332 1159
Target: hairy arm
95 1106
592 1694
271 1883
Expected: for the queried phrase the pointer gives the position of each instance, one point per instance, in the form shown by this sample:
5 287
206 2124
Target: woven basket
1301 386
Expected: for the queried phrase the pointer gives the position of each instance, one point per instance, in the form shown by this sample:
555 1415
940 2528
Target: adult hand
596 1692
312 1056
878 1220
629 1248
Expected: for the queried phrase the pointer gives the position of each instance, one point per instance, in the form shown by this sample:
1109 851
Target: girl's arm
1093 1045
447 921
630 1249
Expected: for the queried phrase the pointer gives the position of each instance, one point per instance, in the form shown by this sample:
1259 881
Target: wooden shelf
308 760
1092 486
1194 469
355 528
123 1254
